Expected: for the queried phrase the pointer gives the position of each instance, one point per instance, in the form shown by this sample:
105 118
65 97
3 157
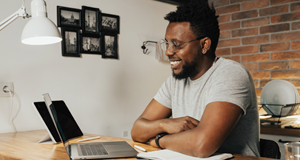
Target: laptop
95 150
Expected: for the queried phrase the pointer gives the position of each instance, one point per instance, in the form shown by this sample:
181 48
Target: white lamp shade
40 31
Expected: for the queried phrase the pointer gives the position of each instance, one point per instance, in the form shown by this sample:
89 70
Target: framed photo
70 42
110 46
90 20
91 44
110 23
68 17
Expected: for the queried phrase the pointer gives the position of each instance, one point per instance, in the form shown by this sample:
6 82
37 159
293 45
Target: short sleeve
233 87
163 96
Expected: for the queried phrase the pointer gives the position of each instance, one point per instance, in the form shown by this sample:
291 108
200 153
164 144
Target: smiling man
209 104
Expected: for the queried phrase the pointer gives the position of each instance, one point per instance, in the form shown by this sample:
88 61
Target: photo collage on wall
87 30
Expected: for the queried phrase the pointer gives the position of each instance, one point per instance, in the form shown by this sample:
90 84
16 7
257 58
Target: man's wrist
162 142
158 137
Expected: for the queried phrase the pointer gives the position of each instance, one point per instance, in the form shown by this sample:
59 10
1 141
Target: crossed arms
186 134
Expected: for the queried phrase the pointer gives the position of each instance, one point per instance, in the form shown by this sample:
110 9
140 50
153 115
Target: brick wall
264 36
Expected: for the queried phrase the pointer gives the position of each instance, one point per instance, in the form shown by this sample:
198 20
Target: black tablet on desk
65 117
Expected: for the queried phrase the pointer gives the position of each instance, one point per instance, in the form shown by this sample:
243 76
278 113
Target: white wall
104 95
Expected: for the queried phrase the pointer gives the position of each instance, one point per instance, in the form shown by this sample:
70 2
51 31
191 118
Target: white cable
10 120
11 112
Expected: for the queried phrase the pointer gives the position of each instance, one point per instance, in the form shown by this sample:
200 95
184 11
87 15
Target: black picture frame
68 17
70 42
110 23
91 43
90 20
110 46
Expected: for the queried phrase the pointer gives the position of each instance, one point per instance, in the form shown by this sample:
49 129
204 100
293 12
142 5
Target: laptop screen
68 124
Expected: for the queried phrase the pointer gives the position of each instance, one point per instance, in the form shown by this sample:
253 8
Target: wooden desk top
24 146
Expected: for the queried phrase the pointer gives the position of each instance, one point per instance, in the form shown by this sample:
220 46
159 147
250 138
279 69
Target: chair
269 149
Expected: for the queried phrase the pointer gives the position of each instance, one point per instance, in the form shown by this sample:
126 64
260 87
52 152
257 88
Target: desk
24 146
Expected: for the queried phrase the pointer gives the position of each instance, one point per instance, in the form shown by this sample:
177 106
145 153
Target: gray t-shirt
226 81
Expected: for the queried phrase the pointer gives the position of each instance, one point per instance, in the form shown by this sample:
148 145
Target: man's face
185 61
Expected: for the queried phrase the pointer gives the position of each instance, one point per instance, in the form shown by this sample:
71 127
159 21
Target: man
212 100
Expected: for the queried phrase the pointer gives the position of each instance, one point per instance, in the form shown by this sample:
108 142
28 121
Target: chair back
269 149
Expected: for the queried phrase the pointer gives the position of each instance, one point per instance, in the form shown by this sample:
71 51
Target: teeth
174 62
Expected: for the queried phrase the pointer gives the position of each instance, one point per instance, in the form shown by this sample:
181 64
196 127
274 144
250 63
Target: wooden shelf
279 131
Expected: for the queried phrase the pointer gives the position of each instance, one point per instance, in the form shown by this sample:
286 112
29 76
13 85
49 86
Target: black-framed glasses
173 45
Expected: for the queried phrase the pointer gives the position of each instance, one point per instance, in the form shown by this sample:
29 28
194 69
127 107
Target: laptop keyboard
93 149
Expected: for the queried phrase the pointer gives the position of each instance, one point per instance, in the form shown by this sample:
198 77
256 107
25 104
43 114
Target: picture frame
70 42
68 17
90 20
91 43
110 23
110 46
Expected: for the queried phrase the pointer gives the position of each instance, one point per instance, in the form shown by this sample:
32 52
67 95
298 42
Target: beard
187 70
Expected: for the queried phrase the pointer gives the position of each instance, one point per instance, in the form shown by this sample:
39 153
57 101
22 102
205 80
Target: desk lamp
39 30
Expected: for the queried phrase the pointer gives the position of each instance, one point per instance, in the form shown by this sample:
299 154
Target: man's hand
176 125
152 143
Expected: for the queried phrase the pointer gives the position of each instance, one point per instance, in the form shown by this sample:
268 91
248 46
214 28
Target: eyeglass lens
165 44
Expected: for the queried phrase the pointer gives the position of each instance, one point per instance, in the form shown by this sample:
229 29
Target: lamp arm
19 13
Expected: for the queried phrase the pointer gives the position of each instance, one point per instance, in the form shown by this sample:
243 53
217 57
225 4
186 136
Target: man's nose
169 52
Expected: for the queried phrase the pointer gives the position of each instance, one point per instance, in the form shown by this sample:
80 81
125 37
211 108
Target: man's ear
205 44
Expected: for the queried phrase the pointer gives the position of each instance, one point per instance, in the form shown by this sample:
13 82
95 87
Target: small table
24 146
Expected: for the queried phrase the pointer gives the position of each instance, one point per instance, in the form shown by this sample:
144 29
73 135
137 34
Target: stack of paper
166 154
